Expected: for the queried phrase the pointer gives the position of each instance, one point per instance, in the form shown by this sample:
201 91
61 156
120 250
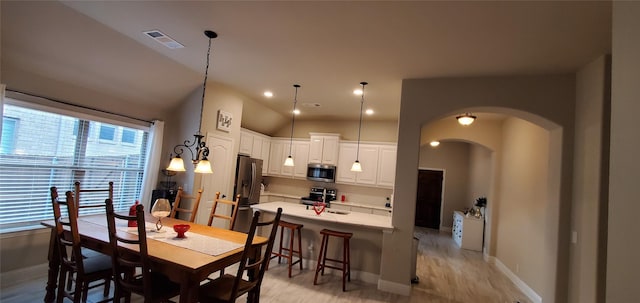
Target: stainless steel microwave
321 172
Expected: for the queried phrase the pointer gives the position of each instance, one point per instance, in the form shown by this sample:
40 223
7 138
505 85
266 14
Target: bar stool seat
289 251
322 257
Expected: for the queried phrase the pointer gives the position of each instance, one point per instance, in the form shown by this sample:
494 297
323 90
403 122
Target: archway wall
547 101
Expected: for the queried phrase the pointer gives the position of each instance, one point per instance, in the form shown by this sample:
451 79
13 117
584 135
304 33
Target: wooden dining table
182 265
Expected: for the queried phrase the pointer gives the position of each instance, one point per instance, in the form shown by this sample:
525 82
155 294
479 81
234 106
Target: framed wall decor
224 121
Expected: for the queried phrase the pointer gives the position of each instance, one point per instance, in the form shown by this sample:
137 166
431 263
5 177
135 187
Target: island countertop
352 218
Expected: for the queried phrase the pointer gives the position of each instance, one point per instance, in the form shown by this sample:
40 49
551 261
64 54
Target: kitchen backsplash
354 194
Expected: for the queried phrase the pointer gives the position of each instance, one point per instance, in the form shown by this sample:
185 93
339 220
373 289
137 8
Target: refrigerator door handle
253 180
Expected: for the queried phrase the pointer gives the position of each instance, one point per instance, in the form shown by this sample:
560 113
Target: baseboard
22 275
530 293
393 287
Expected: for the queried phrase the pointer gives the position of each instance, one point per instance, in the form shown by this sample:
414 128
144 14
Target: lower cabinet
467 232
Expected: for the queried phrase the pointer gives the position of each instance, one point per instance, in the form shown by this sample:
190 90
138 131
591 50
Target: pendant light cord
360 125
204 85
293 117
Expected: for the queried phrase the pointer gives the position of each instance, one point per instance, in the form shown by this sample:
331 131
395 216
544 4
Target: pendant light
289 160
356 167
201 151
466 119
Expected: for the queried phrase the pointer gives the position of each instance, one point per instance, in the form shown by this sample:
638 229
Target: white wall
590 183
623 263
527 232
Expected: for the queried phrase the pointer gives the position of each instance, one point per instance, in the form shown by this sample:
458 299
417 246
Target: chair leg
280 249
61 285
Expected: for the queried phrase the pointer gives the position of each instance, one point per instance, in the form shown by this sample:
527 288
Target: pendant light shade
466 119
197 148
289 160
357 167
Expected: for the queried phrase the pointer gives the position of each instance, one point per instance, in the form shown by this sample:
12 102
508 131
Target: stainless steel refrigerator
247 185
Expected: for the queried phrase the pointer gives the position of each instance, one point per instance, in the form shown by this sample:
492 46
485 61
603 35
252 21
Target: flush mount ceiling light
466 119
289 160
357 167
201 151
268 94
434 143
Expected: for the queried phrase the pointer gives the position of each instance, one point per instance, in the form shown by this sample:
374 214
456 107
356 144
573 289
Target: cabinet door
276 157
330 150
346 156
266 147
256 148
315 149
300 158
368 158
387 166
246 143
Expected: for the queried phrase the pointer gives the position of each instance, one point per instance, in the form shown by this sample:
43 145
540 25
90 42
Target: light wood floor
447 274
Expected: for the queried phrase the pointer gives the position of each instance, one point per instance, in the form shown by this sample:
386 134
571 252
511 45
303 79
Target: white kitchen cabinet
381 212
338 206
264 155
467 232
246 143
324 148
387 166
368 157
361 209
280 151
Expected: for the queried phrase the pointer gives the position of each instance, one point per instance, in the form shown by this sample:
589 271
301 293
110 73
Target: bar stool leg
319 265
292 233
300 247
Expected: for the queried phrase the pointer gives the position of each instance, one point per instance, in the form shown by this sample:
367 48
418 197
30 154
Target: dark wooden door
429 198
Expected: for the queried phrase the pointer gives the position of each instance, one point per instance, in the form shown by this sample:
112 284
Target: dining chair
228 288
233 213
181 195
75 268
87 198
131 268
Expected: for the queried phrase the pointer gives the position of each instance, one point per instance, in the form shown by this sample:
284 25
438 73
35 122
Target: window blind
50 149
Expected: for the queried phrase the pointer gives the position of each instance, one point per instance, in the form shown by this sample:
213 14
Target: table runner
200 243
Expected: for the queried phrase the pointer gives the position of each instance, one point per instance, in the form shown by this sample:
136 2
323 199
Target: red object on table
133 212
343 198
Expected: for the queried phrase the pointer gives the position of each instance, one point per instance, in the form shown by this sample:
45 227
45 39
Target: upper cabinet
377 161
324 148
255 145
280 151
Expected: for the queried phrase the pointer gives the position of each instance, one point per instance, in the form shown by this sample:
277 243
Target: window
8 139
128 136
107 132
51 149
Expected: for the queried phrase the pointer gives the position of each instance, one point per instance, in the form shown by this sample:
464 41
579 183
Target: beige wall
590 183
527 229
453 158
544 100
623 264
480 171
379 131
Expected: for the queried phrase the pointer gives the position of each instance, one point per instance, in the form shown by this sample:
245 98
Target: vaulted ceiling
328 47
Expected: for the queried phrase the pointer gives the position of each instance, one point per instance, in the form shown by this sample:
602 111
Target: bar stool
290 251
322 257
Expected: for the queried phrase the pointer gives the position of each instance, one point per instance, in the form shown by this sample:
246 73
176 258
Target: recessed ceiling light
297 111
369 111
357 92
268 94
434 143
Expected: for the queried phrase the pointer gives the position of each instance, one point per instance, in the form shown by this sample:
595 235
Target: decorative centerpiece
481 203
180 229
161 208
319 207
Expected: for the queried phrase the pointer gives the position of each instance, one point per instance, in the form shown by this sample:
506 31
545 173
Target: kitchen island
366 244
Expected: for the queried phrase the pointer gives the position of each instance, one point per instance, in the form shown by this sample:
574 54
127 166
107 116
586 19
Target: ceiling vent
163 39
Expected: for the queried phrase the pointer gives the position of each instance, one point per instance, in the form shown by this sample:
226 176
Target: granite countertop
349 218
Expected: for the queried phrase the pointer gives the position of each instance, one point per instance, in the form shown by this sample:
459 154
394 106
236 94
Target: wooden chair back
131 267
218 290
72 267
87 198
180 196
234 210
